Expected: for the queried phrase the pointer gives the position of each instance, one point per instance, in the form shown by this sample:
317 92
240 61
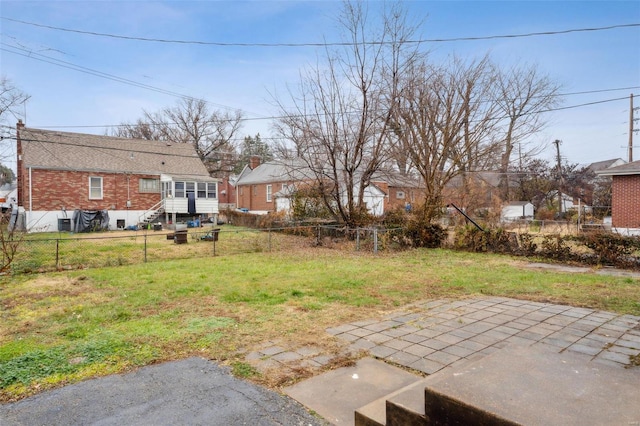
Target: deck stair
151 215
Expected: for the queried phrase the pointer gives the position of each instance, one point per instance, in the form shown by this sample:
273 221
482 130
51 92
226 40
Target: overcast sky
81 94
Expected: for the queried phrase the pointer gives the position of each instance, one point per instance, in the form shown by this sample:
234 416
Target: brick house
268 187
134 181
227 192
401 191
259 185
625 197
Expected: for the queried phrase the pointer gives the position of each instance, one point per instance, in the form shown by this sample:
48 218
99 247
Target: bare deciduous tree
191 121
339 119
444 125
11 98
522 94
11 101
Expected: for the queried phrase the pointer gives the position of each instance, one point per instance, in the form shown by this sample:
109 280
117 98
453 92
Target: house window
179 189
241 190
202 190
284 186
212 190
190 188
149 185
255 190
269 189
95 188
400 195
167 191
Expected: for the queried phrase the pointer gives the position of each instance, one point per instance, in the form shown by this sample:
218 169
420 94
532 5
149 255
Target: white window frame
269 193
148 185
180 192
189 187
201 190
93 196
212 190
400 195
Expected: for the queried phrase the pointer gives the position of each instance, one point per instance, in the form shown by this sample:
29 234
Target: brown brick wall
52 190
625 202
254 197
413 196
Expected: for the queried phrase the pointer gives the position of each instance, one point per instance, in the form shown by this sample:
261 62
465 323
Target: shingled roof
276 171
53 150
624 169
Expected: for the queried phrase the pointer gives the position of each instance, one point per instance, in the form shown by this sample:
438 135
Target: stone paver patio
433 335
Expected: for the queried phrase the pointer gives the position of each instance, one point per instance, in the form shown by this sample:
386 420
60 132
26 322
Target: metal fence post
357 239
269 240
375 240
57 253
145 248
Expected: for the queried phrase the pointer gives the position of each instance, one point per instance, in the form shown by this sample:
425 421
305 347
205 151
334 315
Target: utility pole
631 128
557 142
632 121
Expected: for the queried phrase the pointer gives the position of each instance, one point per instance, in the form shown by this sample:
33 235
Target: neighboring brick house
258 184
625 197
480 191
227 193
134 181
267 187
402 192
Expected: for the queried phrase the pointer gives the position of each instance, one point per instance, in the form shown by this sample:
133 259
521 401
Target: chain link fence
42 253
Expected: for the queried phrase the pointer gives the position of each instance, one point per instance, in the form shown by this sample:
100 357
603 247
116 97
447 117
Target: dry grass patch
79 324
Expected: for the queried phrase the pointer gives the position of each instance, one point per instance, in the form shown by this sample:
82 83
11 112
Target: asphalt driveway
193 391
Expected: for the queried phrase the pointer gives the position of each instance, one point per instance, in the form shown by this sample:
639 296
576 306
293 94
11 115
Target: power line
64 64
226 44
276 117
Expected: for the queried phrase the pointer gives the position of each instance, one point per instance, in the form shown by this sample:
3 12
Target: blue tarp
191 203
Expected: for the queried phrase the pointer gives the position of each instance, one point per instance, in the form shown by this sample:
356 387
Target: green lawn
67 326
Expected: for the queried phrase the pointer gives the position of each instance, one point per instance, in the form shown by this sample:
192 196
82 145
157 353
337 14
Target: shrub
497 240
395 218
555 247
611 249
470 238
421 234
527 246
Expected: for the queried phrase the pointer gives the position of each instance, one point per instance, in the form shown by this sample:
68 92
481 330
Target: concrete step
405 405
336 394
535 385
532 385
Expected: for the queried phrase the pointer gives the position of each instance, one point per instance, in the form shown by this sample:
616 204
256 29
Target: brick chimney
254 161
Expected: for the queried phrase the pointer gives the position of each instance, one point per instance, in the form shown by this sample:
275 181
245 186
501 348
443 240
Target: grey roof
624 169
46 149
601 165
275 171
396 179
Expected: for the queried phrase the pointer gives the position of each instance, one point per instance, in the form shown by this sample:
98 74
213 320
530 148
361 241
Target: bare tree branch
339 118
191 121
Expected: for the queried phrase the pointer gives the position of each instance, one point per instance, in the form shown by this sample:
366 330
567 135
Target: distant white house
8 196
517 210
